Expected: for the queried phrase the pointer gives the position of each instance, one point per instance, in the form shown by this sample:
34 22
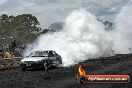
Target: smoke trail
123 30
83 37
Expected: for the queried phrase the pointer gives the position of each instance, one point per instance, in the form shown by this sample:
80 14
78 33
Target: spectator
1 54
17 52
13 45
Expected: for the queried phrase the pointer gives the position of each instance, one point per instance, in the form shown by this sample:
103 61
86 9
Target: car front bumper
31 65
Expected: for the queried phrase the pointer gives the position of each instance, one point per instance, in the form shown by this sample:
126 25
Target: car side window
50 54
54 53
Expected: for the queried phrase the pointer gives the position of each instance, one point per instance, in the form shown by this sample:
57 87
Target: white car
41 59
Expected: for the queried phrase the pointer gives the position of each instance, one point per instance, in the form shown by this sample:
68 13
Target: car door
51 57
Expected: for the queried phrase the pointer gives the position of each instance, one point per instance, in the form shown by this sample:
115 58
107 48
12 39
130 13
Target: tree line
23 28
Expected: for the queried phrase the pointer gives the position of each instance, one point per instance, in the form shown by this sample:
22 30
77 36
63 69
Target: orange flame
81 71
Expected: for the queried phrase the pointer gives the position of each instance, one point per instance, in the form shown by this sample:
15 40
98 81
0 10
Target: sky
51 11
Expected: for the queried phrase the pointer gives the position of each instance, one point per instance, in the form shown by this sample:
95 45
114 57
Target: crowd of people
11 50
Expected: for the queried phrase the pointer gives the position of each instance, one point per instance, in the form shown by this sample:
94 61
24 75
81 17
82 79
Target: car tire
60 61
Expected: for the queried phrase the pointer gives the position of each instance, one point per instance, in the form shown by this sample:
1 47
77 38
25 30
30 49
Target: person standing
13 45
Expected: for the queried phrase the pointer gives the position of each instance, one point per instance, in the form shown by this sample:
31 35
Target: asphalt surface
65 77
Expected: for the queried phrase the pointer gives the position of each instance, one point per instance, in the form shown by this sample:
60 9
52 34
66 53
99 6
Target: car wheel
60 61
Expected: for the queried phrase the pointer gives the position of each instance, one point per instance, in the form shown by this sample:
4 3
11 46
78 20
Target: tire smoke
122 34
82 38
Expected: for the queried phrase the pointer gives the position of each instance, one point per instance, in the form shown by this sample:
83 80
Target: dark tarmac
65 77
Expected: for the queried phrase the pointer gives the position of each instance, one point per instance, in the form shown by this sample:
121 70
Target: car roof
43 50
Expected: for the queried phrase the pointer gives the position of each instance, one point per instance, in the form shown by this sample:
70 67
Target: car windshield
39 54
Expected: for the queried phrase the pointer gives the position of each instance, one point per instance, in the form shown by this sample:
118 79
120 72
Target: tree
20 26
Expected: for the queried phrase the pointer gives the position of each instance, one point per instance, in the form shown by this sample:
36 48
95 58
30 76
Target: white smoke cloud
122 34
2 2
50 11
83 37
